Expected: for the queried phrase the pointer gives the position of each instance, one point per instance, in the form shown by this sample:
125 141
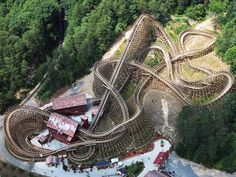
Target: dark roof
155 173
62 124
102 163
69 101
160 159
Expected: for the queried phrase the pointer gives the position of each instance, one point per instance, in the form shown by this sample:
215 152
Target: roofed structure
160 159
84 121
76 104
95 111
51 160
102 164
62 127
69 101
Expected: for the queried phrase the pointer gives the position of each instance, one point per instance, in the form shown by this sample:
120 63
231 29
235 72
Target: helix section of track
129 129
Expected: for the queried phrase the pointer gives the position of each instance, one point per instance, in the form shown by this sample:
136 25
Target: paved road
185 168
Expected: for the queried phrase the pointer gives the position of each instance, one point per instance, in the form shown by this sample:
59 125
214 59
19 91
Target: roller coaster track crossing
22 121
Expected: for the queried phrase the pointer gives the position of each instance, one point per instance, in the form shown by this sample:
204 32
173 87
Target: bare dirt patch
195 42
211 61
163 110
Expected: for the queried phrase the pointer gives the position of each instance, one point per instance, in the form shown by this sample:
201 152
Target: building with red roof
160 159
84 121
62 128
70 105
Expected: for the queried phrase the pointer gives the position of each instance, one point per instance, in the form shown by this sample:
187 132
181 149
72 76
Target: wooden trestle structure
129 130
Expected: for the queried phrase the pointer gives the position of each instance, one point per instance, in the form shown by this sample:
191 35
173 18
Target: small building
70 105
120 164
155 173
44 139
160 159
84 121
102 164
51 160
95 110
115 160
62 128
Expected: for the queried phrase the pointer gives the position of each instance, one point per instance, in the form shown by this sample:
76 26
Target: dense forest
92 28
208 134
226 42
29 31
65 37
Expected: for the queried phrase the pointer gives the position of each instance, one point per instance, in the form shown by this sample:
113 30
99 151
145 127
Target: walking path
111 51
43 169
182 168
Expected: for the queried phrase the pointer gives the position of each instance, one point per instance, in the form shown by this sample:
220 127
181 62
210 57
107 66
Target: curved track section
130 129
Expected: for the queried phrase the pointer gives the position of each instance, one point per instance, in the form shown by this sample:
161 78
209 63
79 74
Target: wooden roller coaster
130 129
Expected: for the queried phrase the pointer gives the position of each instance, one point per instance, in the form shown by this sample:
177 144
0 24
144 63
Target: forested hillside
92 28
208 135
32 39
226 43
28 33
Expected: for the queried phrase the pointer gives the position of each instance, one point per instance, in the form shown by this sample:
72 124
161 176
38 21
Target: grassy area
135 169
152 60
129 90
158 41
7 170
121 48
211 61
177 25
203 99
130 105
191 74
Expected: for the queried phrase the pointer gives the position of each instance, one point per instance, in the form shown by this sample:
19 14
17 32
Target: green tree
226 42
230 58
207 135
218 6
28 32
197 12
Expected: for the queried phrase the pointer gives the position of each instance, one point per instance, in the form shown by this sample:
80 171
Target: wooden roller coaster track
111 76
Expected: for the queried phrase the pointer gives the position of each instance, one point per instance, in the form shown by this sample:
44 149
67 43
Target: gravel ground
83 85
211 60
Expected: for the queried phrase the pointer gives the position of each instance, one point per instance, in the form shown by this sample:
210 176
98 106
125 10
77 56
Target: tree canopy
66 37
226 42
28 32
208 134
92 28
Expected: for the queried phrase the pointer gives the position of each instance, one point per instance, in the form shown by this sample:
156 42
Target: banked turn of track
22 115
